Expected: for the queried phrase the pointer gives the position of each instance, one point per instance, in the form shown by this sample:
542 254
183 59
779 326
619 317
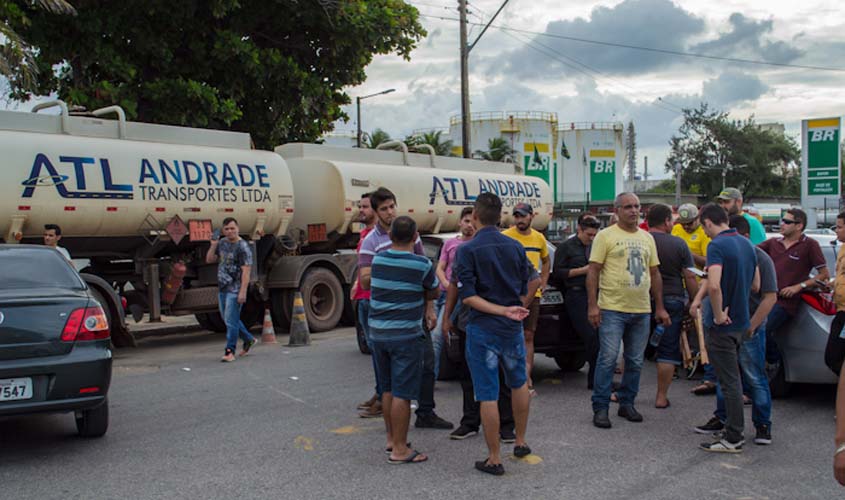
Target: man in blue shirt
403 286
731 277
496 280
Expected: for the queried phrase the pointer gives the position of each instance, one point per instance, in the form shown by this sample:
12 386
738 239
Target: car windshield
27 267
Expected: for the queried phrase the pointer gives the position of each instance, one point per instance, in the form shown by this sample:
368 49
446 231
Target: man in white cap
689 229
731 200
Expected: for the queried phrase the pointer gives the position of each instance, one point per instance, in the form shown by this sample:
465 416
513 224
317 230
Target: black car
55 354
554 337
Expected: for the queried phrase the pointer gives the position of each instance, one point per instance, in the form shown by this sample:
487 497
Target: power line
556 55
652 49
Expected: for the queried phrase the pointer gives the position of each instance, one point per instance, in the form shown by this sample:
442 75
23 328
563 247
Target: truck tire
93 423
571 361
323 298
215 321
252 312
202 319
281 304
103 292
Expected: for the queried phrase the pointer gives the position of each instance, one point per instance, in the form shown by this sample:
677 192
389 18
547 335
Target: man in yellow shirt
689 229
622 278
537 252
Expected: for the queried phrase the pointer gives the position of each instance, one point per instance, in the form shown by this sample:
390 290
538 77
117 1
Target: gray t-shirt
232 256
674 256
768 279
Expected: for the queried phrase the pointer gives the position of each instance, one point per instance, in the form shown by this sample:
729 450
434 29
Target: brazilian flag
563 151
537 160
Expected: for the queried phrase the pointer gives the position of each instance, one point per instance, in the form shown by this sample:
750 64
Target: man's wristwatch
803 285
839 449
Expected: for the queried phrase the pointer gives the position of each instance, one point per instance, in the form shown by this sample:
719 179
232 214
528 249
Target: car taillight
821 302
86 323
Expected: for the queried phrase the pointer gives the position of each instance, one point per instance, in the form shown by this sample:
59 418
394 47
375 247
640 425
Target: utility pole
645 171
677 184
465 123
465 50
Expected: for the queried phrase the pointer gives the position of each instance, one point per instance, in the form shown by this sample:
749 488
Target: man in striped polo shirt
401 285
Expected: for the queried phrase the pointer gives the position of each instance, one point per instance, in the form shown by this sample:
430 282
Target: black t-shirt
674 256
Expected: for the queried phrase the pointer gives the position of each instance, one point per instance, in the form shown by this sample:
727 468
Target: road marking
730 466
552 381
530 459
349 429
304 443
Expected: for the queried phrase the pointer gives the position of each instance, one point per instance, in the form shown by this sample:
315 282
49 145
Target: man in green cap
731 200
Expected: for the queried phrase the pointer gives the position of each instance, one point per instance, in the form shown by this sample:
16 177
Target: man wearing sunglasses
794 255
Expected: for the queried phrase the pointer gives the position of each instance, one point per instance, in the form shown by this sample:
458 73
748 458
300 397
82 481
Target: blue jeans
363 315
752 363
776 319
230 310
632 330
437 333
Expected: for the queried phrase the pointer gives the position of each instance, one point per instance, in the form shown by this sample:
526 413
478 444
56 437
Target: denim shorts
669 348
399 366
485 351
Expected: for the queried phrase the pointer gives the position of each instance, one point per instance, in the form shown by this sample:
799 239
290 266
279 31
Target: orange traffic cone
299 333
268 335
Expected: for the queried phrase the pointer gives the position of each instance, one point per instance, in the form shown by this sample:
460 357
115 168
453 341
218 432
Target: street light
358 102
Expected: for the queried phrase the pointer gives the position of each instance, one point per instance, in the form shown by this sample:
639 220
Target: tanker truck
139 203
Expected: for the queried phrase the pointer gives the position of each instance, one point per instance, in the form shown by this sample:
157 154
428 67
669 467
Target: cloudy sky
590 82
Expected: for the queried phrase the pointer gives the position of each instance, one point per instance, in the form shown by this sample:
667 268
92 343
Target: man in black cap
537 251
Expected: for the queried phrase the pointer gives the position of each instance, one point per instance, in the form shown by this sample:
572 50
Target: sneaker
507 436
228 357
370 402
373 411
630 413
712 425
462 433
247 346
432 422
723 446
764 435
601 420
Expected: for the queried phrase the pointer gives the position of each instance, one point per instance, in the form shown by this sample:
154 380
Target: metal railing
507 115
591 126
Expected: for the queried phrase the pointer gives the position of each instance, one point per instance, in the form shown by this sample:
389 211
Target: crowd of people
624 286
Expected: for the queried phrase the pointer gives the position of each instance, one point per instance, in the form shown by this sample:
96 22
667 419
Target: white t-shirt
64 252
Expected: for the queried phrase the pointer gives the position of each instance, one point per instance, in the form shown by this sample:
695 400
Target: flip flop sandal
389 449
410 460
496 470
667 405
521 451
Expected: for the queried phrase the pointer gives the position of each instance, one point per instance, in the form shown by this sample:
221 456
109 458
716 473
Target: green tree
17 56
378 136
498 149
757 162
435 140
273 68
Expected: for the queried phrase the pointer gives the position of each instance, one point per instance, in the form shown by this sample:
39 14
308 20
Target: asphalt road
281 423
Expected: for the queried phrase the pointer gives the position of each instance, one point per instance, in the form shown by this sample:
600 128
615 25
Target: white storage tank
531 134
592 173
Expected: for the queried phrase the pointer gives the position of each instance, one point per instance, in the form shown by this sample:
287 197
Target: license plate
551 297
12 389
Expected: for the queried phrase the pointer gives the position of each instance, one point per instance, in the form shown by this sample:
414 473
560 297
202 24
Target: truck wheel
571 361
252 312
94 422
323 297
215 322
281 304
349 315
202 319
